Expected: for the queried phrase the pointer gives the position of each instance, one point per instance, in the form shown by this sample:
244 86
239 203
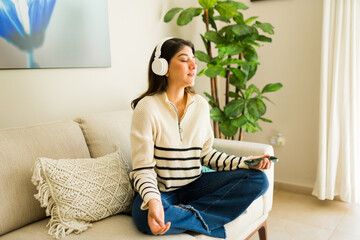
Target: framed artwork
54 34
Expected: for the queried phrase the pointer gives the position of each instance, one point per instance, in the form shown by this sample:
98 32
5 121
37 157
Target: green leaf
230 61
226 9
249 20
204 42
271 87
256 89
213 36
213 70
221 18
239 19
251 71
240 75
207 3
266 27
268 99
248 93
266 120
202 72
234 108
171 14
263 38
225 51
251 128
187 15
239 122
239 5
236 82
202 56
234 95
241 29
217 115
228 129
256 107
211 99
250 53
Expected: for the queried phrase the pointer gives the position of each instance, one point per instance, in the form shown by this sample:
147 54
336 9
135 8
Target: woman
171 138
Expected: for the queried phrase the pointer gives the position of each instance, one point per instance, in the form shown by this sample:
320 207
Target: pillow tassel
59 229
43 195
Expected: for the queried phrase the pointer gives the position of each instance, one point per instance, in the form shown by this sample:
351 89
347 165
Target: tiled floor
304 217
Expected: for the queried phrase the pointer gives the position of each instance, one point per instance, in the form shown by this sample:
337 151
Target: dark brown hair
159 84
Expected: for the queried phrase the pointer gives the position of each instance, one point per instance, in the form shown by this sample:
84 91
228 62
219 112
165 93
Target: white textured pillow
76 192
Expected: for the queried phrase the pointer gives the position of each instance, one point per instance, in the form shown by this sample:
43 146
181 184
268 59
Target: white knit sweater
167 152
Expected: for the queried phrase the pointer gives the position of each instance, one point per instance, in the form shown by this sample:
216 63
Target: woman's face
182 69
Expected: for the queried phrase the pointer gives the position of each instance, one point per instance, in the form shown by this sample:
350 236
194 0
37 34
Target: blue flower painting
54 34
23 23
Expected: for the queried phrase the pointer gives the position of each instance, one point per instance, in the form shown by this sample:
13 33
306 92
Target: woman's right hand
156 218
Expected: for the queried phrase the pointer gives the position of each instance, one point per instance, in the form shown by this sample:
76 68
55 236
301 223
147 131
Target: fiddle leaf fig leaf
234 108
211 99
263 38
266 27
234 95
271 87
256 107
240 75
250 20
213 36
241 29
251 127
213 70
202 56
187 15
171 14
226 9
239 5
217 115
239 122
265 120
227 128
207 3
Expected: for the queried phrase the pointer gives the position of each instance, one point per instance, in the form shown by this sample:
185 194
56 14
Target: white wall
33 96
30 96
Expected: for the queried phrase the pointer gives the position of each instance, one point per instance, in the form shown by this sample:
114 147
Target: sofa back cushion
107 132
19 149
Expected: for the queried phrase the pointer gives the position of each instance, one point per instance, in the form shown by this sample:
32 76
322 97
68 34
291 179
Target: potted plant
236 62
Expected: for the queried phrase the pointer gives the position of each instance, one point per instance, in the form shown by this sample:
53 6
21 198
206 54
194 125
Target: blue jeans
208 203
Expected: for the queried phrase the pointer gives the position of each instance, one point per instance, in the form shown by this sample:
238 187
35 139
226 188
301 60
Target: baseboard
292 188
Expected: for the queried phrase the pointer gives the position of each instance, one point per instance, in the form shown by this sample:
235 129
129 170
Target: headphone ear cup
159 66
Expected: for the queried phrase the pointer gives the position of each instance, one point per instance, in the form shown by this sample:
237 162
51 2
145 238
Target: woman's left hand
264 164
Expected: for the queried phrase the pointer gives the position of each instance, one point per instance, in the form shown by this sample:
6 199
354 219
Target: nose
192 64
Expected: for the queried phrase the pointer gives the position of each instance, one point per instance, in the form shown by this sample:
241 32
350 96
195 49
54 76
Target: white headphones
160 66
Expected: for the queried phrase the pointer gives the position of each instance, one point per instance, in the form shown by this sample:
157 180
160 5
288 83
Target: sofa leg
262 231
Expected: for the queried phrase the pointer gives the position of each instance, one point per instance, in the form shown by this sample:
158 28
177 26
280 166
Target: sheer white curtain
338 170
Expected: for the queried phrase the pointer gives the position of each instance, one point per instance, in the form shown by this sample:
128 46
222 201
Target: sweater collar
190 99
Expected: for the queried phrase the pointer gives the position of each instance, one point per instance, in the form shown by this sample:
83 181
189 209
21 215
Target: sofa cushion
117 227
76 192
106 132
19 148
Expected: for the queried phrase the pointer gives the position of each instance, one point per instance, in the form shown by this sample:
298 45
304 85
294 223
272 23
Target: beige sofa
22 218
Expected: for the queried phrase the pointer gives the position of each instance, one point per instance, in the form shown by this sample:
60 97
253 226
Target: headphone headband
159 46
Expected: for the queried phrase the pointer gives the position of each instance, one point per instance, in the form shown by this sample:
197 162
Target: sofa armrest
241 148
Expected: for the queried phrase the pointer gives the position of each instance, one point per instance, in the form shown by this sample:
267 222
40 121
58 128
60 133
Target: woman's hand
264 164
156 218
